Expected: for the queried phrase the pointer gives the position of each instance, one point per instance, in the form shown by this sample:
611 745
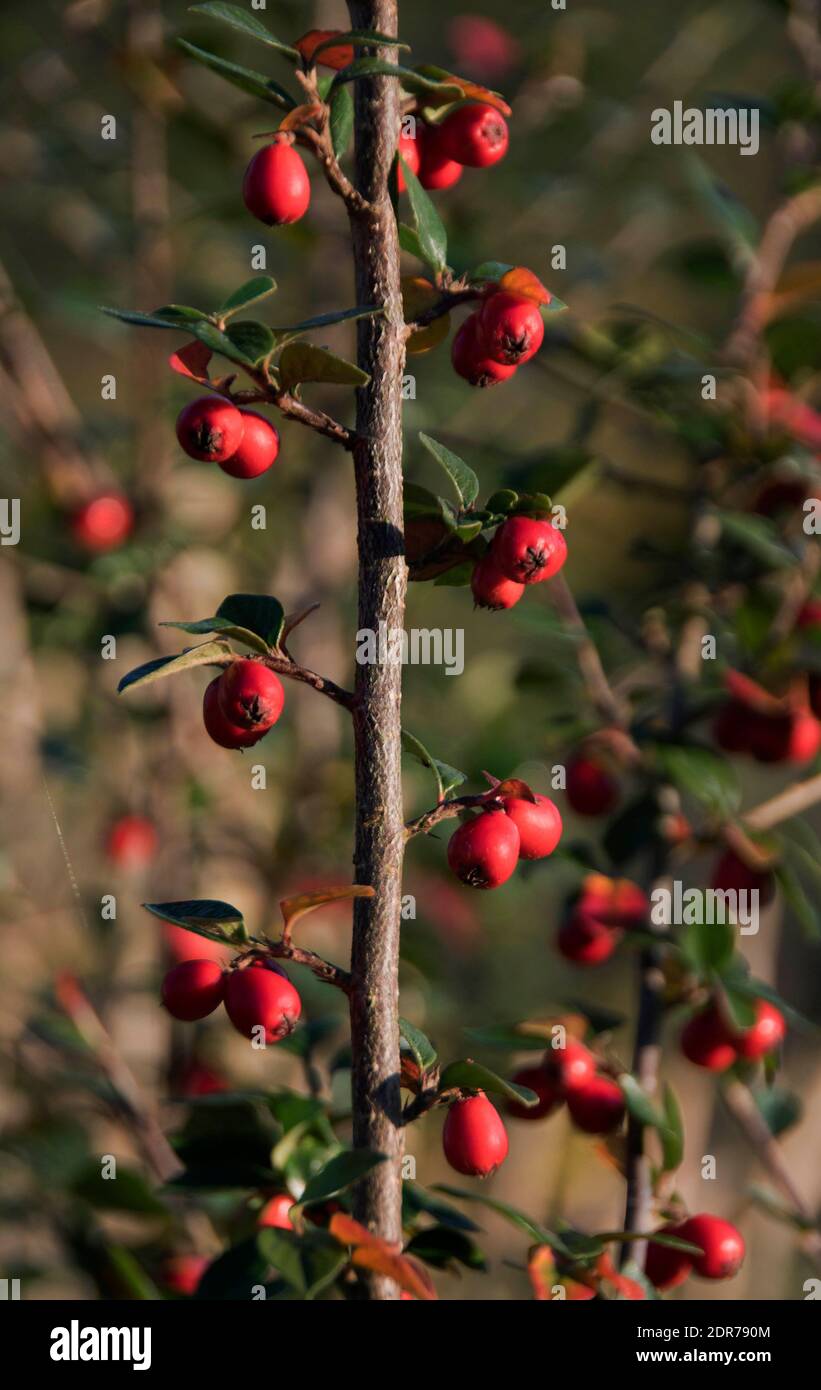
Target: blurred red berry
598 1106
131 842
103 523
591 790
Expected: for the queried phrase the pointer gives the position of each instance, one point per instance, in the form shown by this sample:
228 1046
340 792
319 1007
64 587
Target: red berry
470 357
538 823
490 587
250 696
276 187
585 940
733 727
528 550
484 851
183 945
536 1079
665 1267
199 1080
512 327
210 429
103 523
597 1107
226 734
193 989
763 1035
722 1246
182 1273
409 148
474 1138
804 738
131 842
708 1041
571 1066
260 998
275 1212
436 169
731 874
781 495
810 616
258 448
475 134
590 788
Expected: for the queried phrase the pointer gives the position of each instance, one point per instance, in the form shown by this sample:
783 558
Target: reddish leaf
336 56
522 281
405 1271
191 360
349 1232
294 908
474 92
541 1270
301 115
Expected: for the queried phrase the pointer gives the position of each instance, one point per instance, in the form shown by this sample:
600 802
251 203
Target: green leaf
508 1036
728 212
249 293
638 1104
339 316
309 1263
255 83
441 1247
416 1199
233 1274
173 316
360 38
447 778
511 1214
259 613
463 478
758 536
253 340
781 1109
490 270
418 501
207 917
475 1077
128 1191
342 1172
699 772
801 903
430 230
238 634
300 362
207 654
409 241
421 1047
502 501
708 945
412 80
341 120
672 1135
238 18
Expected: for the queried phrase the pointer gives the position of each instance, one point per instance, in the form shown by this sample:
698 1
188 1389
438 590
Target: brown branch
444 810
450 299
324 970
797 798
601 694
319 143
284 666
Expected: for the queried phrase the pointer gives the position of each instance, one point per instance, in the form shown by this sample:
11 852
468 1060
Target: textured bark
379 844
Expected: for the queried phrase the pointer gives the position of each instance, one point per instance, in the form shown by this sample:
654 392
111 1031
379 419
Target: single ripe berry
598 1107
512 327
193 989
131 842
220 729
182 1273
585 940
260 998
436 169
804 739
590 788
731 874
536 1079
528 550
722 1246
210 429
485 850
474 1138
275 1212
763 1035
470 358
258 447
538 823
809 619
409 148
491 589
103 523
475 134
200 1080
276 187
250 696
665 1266
571 1066
708 1041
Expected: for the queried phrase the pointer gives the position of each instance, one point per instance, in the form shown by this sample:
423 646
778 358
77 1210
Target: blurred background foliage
607 419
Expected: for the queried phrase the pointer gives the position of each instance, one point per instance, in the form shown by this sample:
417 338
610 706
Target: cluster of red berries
498 338
770 730
242 442
598 917
524 551
732 875
242 704
710 1040
259 995
720 1243
102 523
484 851
569 1075
472 136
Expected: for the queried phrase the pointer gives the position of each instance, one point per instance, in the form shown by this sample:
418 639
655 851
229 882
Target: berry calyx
484 851
475 134
131 842
474 1138
275 1212
436 169
193 989
731 874
276 188
707 1040
598 1106
764 1034
250 696
538 1080
722 1246
258 447
590 788
257 997
538 822
512 327
491 589
210 429
471 360
409 148
220 729
103 523
528 550
665 1266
